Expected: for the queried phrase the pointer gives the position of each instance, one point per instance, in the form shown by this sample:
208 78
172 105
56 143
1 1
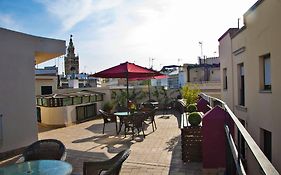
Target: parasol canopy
129 71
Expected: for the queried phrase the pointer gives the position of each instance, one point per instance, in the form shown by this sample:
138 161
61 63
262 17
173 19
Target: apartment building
251 83
205 74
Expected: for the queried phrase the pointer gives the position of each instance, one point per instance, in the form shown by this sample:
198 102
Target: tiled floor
159 153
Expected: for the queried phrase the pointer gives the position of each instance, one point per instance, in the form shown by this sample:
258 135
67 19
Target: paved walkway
159 153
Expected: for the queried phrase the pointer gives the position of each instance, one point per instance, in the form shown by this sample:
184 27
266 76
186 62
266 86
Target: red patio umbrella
127 70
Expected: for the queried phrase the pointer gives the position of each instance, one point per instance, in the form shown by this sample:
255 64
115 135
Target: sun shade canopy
126 70
161 76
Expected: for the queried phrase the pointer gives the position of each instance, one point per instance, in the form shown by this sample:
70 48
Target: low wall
61 116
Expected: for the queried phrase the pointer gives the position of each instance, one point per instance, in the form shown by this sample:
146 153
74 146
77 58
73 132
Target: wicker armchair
150 119
108 118
107 167
48 149
133 122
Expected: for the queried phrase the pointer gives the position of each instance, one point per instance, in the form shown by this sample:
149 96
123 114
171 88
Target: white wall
215 74
17 89
45 81
61 116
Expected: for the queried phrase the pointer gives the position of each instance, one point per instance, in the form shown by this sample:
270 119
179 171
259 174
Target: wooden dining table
38 167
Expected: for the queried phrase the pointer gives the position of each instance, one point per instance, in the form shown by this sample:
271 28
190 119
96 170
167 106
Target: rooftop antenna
179 61
201 46
238 22
215 53
152 62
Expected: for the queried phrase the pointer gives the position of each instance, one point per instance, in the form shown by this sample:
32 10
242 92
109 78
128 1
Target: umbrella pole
127 91
149 91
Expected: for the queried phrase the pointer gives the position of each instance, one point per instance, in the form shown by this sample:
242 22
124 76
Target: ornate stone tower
71 62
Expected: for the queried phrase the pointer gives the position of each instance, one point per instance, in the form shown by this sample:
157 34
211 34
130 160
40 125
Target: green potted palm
108 106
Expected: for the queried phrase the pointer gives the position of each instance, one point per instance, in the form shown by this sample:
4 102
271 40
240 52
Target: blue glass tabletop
122 113
38 167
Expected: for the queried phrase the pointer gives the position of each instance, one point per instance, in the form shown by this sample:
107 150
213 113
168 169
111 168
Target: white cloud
71 12
167 30
162 29
7 21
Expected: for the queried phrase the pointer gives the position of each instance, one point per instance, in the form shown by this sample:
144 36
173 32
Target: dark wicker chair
48 149
150 119
107 167
134 122
108 118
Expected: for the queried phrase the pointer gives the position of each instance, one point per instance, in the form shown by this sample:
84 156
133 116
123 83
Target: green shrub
191 108
108 106
194 119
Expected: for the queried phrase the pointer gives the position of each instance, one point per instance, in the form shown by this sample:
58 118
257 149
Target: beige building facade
48 82
19 54
206 75
250 70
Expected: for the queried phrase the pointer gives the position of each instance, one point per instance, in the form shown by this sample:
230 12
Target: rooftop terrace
159 153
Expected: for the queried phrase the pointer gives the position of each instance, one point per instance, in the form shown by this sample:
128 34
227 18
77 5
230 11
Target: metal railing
265 165
1 130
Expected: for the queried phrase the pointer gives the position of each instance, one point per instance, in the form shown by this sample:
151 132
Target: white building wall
61 116
45 81
17 94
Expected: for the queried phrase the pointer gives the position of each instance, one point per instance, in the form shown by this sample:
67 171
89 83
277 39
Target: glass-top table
38 167
121 114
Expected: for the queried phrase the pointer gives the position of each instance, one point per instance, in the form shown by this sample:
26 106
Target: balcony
161 151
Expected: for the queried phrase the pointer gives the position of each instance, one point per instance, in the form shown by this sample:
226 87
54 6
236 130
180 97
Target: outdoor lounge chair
108 118
107 167
48 149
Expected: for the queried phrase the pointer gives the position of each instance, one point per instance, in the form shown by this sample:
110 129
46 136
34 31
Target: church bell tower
71 62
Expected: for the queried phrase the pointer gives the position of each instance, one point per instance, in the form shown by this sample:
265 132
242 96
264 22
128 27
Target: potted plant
132 106
191 108
194 119
108 106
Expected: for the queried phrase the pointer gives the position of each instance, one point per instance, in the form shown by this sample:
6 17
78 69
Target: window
241 84
86 99
39 101
266 143
44 102
266 72
93 98
225 78
77 100
67 101
45 90
99 97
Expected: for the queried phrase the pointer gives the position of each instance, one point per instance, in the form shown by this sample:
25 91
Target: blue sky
108 32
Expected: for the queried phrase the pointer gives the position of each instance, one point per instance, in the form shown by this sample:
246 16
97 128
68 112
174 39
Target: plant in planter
132 106
191 108
108 106
194 119
190 93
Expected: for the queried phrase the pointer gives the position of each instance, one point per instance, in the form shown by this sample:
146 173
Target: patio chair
48 149
107 167
108 118
134 122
